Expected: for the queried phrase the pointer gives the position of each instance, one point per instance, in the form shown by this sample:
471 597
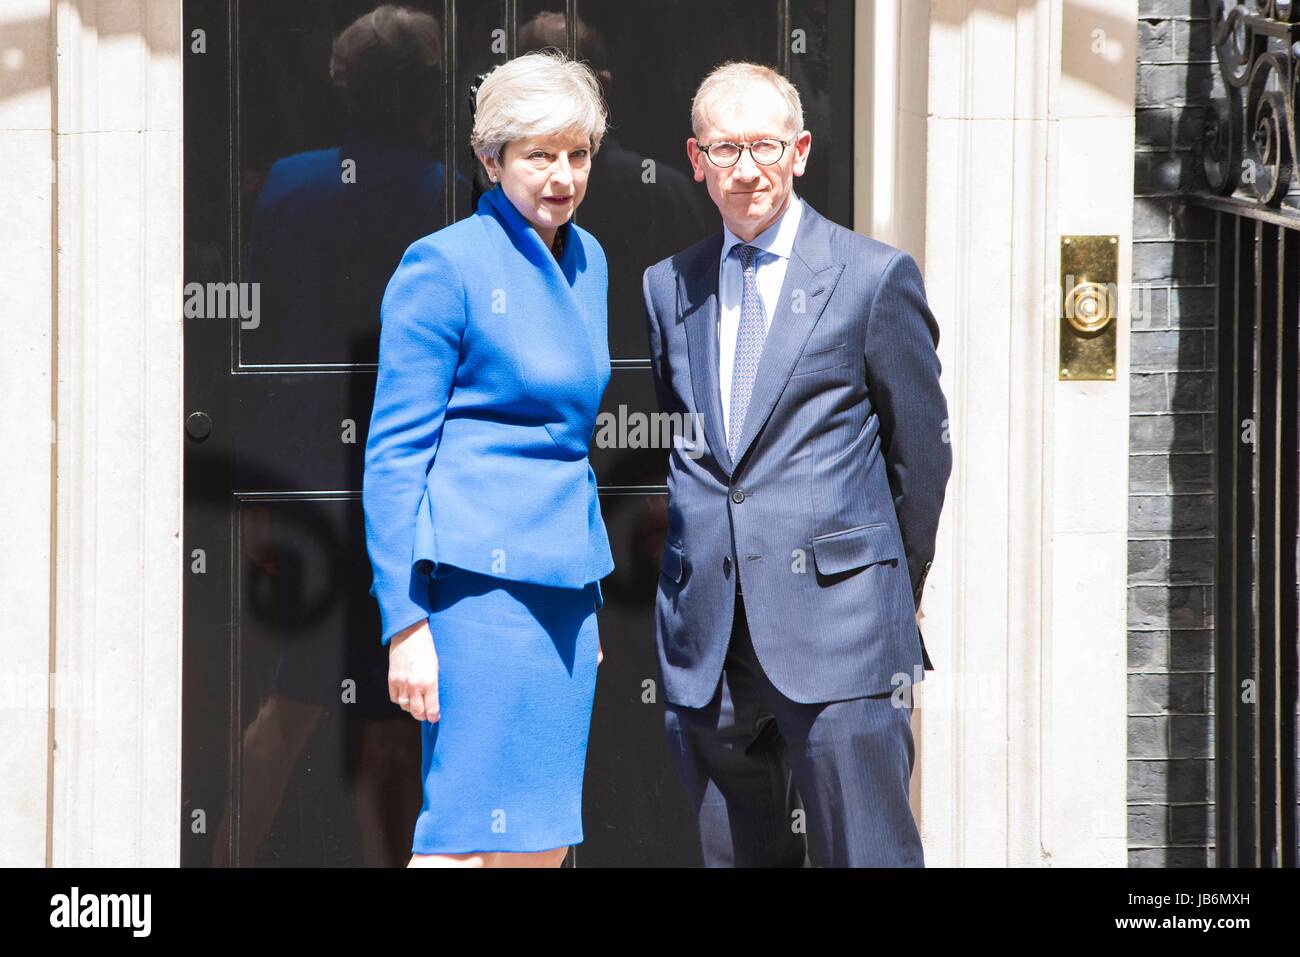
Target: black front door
322 137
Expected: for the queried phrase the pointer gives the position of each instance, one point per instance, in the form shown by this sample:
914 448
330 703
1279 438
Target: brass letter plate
1089 306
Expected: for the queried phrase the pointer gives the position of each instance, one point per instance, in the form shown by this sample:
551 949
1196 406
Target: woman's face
545 177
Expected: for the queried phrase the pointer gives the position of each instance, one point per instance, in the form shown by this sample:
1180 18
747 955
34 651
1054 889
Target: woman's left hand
600 655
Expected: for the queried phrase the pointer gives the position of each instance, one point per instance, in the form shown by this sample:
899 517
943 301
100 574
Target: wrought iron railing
1250 136
1249 159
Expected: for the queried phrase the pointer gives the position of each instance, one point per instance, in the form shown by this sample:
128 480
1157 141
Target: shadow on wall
1172 518
25 45
24 57
1082 20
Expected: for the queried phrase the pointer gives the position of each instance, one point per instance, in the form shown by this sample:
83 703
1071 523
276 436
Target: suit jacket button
726 567
737 496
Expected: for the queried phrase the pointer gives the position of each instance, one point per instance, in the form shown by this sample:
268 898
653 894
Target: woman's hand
413 672
600 655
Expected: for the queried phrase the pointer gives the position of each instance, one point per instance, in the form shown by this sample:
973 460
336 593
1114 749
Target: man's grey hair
537 94
732 81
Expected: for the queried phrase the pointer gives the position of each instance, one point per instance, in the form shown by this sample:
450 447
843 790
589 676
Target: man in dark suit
799 540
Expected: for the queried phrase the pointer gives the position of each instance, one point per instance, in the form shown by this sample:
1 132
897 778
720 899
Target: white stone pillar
26 429
890 116
1021 730
115 767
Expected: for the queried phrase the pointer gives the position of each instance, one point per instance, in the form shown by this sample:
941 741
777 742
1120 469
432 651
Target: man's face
750 196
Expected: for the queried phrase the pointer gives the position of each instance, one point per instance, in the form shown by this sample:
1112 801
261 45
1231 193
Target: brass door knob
1090 306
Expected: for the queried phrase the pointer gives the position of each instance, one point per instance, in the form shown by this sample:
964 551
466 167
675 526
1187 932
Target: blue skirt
503 765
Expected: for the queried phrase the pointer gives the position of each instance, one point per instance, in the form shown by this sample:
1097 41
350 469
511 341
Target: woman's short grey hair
537 94
731 82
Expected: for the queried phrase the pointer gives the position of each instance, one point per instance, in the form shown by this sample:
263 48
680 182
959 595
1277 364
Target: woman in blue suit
482 521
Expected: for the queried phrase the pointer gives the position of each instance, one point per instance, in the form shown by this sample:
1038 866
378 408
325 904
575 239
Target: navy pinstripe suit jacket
829 512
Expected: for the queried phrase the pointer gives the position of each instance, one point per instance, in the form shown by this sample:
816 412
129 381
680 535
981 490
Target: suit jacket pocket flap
854 547
821 359
674 561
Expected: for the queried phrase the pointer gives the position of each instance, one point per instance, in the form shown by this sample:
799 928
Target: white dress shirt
775 245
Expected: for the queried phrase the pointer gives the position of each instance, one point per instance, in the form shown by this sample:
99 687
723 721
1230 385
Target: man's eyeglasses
762 152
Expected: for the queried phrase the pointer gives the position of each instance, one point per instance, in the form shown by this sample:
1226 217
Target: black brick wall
1171 452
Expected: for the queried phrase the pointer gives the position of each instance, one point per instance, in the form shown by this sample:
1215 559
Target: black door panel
316 151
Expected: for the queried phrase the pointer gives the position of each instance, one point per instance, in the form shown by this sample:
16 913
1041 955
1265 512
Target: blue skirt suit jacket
493 359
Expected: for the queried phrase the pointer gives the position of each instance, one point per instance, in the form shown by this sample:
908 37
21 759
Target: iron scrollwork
1250 133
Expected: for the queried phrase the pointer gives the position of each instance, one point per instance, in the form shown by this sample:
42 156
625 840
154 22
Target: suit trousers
776 783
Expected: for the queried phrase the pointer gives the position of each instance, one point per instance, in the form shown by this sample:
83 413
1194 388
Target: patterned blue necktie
749 348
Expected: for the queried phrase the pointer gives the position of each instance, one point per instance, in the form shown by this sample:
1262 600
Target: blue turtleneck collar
496 201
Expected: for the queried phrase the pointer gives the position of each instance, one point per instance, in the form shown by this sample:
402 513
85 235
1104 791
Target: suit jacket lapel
810 276
697 301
